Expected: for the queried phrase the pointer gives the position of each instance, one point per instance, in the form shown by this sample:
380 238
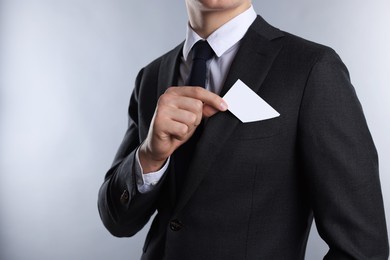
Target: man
246 190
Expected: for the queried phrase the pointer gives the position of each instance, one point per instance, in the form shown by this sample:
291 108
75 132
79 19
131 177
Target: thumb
209 111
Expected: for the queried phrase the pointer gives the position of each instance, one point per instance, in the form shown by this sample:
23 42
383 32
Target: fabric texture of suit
252 189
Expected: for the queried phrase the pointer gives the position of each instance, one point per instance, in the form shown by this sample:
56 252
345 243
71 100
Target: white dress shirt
225 42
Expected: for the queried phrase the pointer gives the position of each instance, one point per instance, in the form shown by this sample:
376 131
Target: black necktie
202 52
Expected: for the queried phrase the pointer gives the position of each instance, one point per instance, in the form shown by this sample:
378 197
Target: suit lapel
251 64
168 76
169 70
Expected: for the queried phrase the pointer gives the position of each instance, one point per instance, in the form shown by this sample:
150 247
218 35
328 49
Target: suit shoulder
306 48
291 43
305 53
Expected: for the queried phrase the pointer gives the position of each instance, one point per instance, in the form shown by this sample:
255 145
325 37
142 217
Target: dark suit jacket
252 189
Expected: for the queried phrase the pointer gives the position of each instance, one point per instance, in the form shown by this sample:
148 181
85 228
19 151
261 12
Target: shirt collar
225 36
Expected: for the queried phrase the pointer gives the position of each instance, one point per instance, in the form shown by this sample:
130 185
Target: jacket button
175 225
124 197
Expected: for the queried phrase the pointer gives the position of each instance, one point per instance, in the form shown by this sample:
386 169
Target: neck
204 21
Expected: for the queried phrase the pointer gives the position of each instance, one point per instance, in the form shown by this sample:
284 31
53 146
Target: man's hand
178 113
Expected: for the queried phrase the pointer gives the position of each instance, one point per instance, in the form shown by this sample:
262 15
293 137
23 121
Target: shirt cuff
146 182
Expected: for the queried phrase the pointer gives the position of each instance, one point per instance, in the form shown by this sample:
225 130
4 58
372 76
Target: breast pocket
259 129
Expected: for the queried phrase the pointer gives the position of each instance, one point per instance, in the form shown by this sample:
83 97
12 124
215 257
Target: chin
220 4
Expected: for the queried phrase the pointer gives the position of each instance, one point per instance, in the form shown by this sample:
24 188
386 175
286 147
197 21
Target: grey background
67 69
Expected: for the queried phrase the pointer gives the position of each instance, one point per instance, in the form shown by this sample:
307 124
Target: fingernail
224 106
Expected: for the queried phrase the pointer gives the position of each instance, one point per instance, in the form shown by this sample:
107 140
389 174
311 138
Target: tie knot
202 50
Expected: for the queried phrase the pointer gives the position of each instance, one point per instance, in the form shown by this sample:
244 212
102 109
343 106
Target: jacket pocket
258 129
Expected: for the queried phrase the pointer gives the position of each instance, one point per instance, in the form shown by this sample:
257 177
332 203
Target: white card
246 105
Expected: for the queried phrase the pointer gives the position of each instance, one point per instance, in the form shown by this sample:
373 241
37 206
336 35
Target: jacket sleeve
340 165
122 208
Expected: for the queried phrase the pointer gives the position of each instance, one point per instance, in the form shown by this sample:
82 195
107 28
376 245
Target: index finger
207 97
